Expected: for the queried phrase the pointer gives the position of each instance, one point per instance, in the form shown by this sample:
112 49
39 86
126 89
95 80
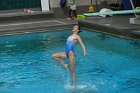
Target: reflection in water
135 44
6 85
130 83
103 36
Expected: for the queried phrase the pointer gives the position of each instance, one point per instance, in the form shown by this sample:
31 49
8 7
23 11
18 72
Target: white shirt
72 5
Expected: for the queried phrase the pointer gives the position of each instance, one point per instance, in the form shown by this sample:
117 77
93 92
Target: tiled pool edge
130 33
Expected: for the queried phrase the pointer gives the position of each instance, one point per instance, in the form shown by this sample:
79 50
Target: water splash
82 88
68 80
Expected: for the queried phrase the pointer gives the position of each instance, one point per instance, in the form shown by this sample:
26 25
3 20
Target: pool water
111 65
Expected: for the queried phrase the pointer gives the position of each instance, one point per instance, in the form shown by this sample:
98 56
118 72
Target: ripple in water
10 45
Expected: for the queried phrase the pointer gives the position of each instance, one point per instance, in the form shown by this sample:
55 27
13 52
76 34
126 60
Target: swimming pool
111 65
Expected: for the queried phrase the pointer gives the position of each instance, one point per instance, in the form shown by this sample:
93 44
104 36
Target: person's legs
69 15
58 57
72 68
75 14
70 11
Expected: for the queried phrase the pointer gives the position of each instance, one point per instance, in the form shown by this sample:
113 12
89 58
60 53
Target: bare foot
66 66
68 19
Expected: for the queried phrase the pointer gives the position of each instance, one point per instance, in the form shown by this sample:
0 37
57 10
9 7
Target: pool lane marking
32 23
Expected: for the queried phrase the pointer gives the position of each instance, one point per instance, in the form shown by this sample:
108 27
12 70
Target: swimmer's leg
58 57
72 68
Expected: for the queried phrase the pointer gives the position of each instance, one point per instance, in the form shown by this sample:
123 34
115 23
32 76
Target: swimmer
69 52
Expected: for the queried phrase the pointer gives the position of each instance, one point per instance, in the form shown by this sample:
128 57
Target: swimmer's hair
79 28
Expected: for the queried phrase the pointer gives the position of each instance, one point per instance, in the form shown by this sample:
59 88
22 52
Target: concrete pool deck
117 24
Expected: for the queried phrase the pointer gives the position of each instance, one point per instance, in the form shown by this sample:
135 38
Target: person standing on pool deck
69 53
72 9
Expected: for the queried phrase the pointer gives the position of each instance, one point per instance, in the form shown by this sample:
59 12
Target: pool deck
117 24
34 25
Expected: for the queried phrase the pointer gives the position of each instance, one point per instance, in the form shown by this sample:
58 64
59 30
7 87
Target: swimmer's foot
66 66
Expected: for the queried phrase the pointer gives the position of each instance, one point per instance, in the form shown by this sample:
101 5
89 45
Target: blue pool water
111 65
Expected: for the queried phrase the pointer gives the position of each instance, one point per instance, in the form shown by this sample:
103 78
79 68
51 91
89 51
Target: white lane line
27 23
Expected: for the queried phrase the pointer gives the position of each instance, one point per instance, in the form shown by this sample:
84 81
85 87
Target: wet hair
79 28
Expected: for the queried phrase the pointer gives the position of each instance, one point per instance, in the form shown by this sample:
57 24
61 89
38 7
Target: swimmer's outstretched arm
83 46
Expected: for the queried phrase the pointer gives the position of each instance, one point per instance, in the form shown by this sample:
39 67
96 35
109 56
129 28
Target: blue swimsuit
69 45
